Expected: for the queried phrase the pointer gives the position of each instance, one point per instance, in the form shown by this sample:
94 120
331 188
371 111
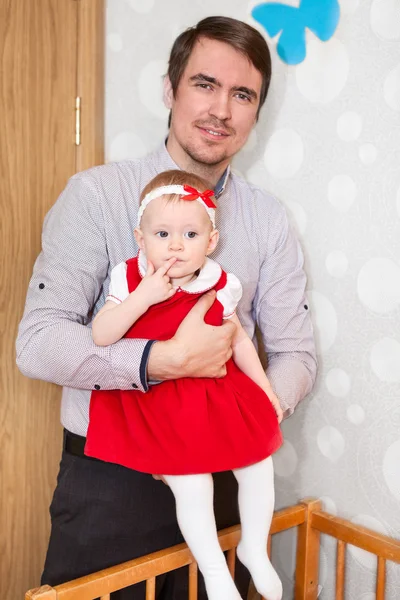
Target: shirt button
41 286
134 386
306 306
97 387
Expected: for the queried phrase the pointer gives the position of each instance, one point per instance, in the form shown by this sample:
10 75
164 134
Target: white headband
187 193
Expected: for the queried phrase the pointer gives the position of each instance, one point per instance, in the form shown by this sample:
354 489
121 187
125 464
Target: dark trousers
103 514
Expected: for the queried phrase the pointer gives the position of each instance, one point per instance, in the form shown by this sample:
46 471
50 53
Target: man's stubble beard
203 160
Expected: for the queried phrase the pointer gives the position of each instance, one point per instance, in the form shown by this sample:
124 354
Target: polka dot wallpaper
327 144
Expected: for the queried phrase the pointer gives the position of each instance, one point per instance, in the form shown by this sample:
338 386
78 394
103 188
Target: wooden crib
307 516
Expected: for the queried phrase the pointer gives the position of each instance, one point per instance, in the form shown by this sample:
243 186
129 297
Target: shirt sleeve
54 341
283 316
230 295
118 289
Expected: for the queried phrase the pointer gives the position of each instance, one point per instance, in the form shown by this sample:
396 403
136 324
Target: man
104 514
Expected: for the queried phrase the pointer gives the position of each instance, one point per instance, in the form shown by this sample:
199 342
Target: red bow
193 194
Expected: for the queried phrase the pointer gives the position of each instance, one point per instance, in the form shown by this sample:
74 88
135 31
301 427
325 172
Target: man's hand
196 350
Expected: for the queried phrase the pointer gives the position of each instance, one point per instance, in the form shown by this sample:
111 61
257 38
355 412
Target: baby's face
176 229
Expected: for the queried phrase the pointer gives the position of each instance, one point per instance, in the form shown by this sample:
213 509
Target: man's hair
175 177
242 37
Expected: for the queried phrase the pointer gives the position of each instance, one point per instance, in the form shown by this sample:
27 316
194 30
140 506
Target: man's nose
221 106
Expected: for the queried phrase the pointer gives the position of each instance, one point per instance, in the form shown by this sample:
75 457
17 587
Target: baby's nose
176 243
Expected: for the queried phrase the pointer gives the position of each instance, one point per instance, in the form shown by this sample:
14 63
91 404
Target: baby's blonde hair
175 177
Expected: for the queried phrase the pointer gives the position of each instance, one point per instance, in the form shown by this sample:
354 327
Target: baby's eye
162 234
190 234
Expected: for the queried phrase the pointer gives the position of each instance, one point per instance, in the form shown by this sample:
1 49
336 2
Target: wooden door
40 79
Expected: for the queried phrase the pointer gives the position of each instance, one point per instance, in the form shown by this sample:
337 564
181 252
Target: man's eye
190 234
243 97
162 234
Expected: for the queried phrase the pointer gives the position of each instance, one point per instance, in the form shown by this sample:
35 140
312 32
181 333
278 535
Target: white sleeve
230 295
118 290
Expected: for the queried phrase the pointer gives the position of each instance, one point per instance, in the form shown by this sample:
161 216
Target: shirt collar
164 162
221 184
208 277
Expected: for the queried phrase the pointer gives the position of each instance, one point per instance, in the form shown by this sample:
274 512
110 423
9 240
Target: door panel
38 61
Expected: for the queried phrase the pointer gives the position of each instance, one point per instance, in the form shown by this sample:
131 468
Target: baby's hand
275 403
156 285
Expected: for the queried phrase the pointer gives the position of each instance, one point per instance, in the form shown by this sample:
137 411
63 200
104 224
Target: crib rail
384 547
307 516
147 568
381 545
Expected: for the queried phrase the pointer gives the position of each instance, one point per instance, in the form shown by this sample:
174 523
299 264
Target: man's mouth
215 133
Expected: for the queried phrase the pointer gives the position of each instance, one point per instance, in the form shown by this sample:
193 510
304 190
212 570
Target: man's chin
209 157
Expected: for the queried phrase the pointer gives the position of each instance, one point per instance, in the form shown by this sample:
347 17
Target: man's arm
283 316
54 343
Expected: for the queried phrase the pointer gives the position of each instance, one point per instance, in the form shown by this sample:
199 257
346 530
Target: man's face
215 106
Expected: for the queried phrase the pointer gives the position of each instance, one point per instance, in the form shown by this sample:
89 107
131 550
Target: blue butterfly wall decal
320 16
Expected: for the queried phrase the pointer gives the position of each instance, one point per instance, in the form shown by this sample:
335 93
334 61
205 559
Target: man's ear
139 238
212 244
168 94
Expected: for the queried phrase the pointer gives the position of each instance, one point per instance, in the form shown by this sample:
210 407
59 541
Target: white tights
195 513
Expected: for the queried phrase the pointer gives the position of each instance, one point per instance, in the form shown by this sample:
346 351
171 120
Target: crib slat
151 588
381 579
231 559
307 564
340 569
193 576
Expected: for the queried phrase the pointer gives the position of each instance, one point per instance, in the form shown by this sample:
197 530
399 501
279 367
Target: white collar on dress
209 275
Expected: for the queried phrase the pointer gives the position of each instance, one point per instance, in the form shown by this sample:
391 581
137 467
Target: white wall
328 146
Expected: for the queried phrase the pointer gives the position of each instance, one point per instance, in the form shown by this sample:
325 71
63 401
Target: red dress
187 425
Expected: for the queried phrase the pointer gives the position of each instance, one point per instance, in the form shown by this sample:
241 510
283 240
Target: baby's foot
221 587
265 578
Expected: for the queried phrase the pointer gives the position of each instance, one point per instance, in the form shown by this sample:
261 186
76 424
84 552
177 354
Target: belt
75 444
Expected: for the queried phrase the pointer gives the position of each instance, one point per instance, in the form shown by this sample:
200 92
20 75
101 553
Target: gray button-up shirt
89 230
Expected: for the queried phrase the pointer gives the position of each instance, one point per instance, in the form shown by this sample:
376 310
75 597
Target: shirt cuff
129 358
143 364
